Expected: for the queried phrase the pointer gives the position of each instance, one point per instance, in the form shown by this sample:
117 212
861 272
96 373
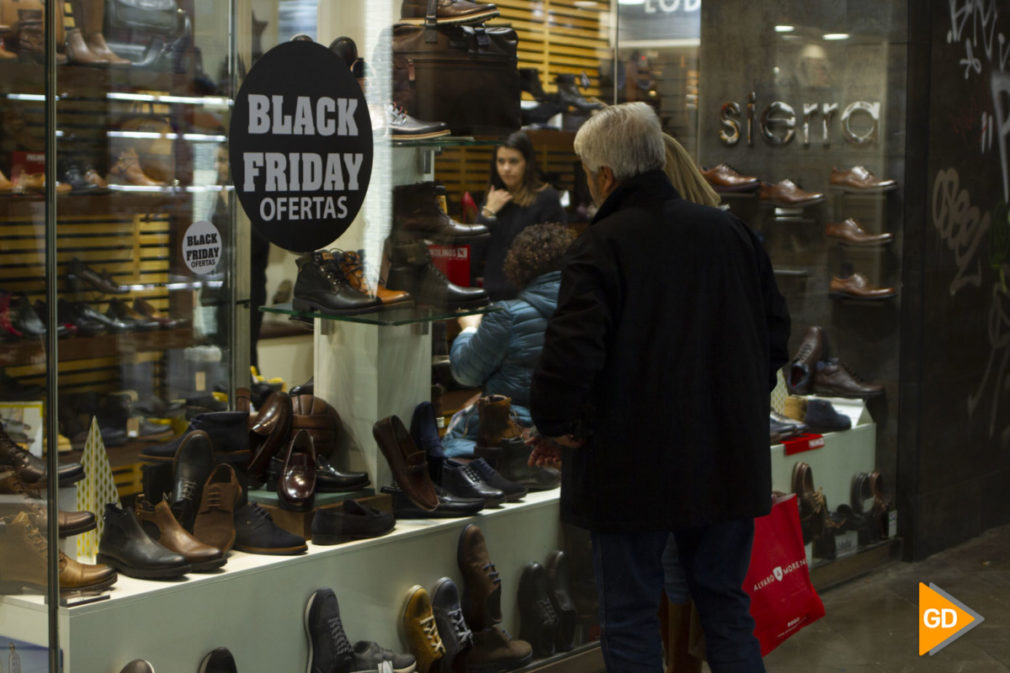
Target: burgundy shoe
296 488
268 433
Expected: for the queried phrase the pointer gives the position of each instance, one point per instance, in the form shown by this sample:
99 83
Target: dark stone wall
741 52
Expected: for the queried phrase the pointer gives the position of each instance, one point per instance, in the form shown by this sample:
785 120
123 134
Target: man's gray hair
627 137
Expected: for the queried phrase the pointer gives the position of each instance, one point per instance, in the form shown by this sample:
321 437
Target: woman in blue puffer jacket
499 351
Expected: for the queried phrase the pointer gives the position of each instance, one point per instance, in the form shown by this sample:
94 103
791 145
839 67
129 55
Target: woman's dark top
512 219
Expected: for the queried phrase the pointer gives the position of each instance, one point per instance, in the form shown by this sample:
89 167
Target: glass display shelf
446 141
407 315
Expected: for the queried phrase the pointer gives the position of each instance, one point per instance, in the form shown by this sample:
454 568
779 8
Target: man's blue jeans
629 578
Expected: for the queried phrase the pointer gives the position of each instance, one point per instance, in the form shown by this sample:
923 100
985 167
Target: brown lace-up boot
496 427
481 583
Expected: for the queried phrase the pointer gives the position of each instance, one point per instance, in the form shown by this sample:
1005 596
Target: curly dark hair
537 250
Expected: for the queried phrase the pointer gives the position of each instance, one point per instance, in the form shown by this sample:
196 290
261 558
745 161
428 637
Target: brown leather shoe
69 523
494 650
812 505
160 524
803 366
215 521
296 487
30 468
857 287
315 415
858 179
788 195
127 171
269 432
725 178
418 622
408 464
850 233
833 379
448 11
350 265
23 561
481 583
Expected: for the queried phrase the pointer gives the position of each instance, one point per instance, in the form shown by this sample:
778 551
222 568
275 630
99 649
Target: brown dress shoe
858 179
850 233
418 621
160 524
408 463
803 366
351 267
75 576
857 287
215 520
788 195
833 379
30 468
127 171
494 650
812 505
69 523
269 432
481 583
725 178
448 11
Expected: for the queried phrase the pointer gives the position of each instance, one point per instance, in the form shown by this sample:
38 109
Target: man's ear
606 178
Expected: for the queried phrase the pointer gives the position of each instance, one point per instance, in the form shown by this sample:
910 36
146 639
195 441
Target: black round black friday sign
300 146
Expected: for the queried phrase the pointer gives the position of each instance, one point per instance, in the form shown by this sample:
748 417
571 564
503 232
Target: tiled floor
871 623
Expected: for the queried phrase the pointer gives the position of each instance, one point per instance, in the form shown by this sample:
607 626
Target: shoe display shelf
386 316
28 352
255 604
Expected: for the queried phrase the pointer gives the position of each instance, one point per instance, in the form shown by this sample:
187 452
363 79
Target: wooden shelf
103 345
76 81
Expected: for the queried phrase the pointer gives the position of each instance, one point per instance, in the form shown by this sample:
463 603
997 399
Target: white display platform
254 606
843 455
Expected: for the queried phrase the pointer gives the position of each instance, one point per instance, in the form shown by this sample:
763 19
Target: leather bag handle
430 22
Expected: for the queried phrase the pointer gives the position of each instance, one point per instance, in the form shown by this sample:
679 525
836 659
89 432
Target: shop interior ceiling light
784 29
836 36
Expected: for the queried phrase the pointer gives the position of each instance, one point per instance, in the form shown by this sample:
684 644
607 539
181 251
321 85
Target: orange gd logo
942 619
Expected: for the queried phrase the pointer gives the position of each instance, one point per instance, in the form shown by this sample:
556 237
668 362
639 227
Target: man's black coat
662 352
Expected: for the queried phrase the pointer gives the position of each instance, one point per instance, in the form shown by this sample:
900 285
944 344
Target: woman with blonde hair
685 176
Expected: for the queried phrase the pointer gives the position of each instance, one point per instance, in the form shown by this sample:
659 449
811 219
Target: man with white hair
653 387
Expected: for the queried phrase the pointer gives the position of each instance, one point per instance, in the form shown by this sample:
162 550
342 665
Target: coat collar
648 186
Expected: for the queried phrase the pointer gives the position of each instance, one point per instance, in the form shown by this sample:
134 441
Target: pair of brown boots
85 42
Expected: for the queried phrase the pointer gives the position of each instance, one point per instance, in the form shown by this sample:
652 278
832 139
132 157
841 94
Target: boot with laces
538 622
452 627
215 521
803 367
481 582
329 648
23 562
321 286
354 271
411 269
193 462
420 630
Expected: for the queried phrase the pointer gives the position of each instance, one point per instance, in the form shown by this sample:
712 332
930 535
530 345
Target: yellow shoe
796 407
419 630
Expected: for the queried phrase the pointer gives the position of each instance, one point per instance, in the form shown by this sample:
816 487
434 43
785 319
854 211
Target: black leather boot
569 96
194 460
322 286
411 269
127 548
416 214
513 464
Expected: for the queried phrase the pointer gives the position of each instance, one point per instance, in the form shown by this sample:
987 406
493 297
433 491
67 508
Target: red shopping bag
782 598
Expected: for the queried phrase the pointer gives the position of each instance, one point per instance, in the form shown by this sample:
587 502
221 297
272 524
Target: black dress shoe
321 286
63 330
86 318
194 460
30 468
448 507
559 578
84 324
463 481
256 533
350 521
513 464
127 548
513 491
331 480
538 623
118 310
82 277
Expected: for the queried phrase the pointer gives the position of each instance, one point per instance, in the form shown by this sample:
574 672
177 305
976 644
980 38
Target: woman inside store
516 198
498 351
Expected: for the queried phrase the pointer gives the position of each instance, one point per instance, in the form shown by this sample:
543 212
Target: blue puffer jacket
501 355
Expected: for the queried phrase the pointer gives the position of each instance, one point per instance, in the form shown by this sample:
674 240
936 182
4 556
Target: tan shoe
419 629
127 171
159 522
215 520
796 407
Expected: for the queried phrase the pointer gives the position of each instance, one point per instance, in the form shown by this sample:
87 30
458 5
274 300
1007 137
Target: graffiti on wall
979 239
